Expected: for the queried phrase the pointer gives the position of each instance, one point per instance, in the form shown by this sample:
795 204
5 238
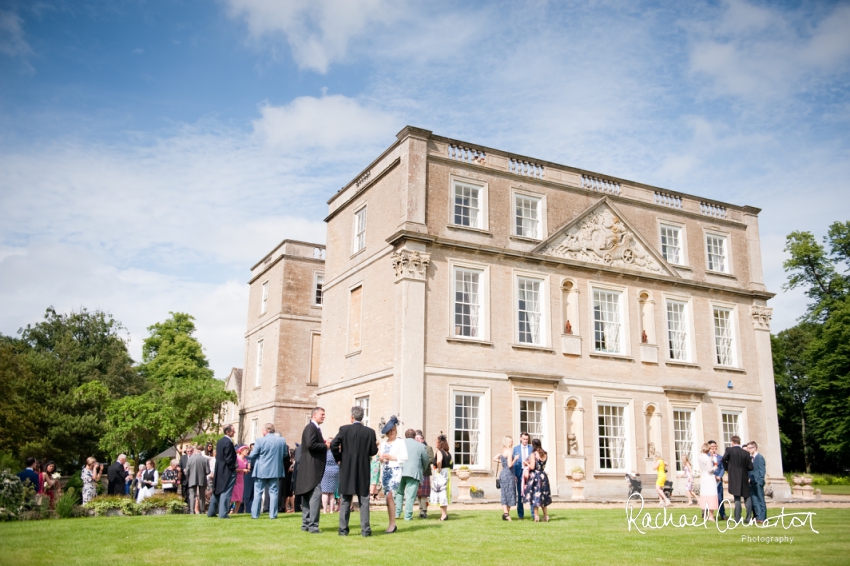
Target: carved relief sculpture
411 264
761 317
602 238
572 443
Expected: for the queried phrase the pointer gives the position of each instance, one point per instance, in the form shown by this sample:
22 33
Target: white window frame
358 402
542 228
316 276
545 307
359 226
692 454
697 435
484 298
629 426
683 241
483 420
265 298
255 429
742 424
726 237
258 378
483 223
625 332
734 328
690 356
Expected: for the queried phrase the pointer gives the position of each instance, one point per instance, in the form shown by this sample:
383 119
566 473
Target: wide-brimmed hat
391 424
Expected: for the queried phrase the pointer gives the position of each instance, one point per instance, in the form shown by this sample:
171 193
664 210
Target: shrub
171 503
66 503
10 462
75 483
12 496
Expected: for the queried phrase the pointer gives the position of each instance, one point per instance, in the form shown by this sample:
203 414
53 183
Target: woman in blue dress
330 482
538 495
507 479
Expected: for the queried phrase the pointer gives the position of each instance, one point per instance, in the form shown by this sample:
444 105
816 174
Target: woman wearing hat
393 454
241 469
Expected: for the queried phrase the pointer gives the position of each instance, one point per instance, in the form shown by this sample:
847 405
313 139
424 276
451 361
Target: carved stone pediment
600 235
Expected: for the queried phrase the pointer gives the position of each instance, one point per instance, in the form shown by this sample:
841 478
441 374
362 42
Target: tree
793 391
58 377
184 398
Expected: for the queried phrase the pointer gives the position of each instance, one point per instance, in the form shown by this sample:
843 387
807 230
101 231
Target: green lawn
470 537
833 489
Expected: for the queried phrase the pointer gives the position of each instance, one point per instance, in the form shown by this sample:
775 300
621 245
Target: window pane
670 244
531 419
320 282
677 330
716 253
731 427
612 437
527 217
466 210
360 230
683 434
606 321
467 429
467 303
364 403
530 310
723 337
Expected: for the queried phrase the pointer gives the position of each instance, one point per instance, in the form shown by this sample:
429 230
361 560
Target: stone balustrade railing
601 185
713 210
467 154
665 199
526 168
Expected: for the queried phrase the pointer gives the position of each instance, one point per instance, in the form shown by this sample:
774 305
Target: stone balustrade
526 168
467 154
666 199
713 210
601 185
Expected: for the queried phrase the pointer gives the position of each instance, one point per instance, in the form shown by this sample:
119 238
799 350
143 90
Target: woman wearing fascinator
393 454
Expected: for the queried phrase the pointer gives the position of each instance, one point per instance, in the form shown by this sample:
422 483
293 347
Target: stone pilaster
410 264
770 446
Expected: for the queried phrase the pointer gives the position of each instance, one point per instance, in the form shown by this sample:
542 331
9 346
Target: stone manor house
481 294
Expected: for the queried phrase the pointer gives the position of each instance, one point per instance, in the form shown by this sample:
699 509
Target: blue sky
151 152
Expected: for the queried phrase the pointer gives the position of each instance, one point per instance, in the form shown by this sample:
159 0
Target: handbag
498 479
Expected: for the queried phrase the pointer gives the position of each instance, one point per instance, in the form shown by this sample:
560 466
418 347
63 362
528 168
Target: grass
833 489
586 536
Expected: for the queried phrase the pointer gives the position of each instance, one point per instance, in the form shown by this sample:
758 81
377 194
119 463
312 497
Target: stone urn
807 480
578 476
462 475
798 480
463 486
578 490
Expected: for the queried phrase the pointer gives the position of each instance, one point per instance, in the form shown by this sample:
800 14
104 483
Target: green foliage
66 502
822 479
56 381
75 482
9 461
12 496
171 503
183 399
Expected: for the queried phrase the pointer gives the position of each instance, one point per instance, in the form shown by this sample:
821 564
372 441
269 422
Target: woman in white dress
148 481
707 483
393 453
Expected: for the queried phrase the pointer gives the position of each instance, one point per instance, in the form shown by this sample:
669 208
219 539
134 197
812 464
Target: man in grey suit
411 474
267 463
197 470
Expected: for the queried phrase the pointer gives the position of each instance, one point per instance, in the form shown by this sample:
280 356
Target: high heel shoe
504 516
389 532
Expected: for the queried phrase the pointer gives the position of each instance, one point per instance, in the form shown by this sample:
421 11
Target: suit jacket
29 476
314 455
353 447
426 471
225 464
517 467
738 462
417 458
758 472
197 470
116 477
717 459
267 457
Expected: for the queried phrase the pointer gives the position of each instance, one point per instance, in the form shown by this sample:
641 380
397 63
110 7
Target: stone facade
280 376
479 293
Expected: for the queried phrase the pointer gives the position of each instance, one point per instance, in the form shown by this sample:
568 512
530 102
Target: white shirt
524 452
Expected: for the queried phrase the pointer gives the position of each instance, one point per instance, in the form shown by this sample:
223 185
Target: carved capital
410 264
761 317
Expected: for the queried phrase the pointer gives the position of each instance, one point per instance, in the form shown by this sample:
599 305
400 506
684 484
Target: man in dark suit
184 474
757 507
353 448
311 468
737 462
116 476
29 475
521 453
224 478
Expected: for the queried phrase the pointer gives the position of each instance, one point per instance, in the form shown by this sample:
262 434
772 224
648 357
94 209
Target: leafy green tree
185 400
793 391
59 376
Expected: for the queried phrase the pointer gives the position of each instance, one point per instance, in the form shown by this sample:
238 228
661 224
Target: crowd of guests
43 478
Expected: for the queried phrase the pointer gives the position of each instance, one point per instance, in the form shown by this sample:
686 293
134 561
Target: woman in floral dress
538 495
330 482
393 454
90 479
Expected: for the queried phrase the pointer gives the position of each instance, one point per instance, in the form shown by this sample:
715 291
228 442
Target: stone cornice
364 188
403 235
286 257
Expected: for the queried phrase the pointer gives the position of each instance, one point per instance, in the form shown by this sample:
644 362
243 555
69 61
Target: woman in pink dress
241 470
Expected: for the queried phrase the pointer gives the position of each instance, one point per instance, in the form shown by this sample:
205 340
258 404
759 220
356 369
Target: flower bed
113 505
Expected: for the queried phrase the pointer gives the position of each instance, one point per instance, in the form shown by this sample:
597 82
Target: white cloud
329 122
12 41
318 31
146 225
753 51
